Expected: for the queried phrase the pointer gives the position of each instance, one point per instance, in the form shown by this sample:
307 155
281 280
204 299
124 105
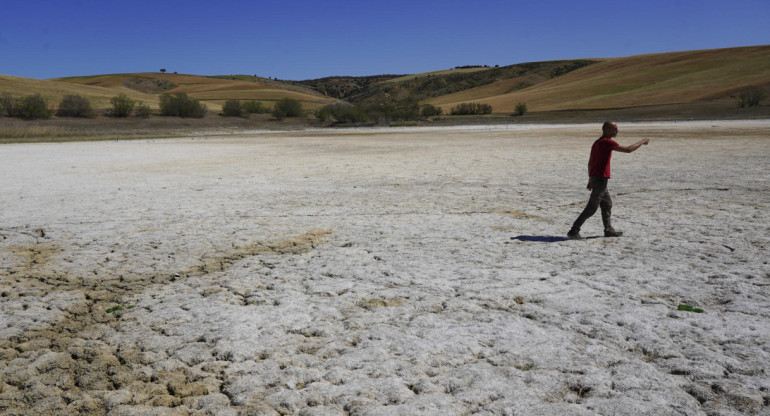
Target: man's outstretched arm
629 149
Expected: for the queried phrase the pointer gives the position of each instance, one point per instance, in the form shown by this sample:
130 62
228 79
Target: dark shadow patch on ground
545 238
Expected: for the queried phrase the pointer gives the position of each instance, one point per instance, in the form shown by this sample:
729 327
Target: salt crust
390 271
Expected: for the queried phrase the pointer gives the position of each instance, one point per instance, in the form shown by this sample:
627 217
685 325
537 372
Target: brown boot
574 235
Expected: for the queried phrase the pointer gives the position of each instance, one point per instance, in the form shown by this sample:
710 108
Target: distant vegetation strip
375 90
643 80
727 78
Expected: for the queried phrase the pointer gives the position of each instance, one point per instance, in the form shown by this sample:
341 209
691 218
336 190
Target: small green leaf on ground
119 308
689 308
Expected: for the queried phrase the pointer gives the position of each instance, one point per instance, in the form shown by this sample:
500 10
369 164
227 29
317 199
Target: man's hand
589 187
629 149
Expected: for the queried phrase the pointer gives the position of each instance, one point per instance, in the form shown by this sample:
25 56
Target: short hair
607 124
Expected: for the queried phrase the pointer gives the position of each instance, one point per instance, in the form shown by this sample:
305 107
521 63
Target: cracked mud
401 271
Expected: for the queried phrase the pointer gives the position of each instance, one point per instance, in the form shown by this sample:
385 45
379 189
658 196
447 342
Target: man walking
598 176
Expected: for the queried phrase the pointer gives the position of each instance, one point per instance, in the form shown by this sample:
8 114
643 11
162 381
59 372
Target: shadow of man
544 238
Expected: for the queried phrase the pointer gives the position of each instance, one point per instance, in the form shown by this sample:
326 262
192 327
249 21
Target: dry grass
442 72
657 79
25 132
53 91
106 128
266 96
213 91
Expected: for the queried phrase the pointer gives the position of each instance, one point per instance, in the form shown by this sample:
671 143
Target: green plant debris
119 308
689 308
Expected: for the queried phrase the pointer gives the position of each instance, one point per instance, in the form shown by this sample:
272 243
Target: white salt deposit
387 272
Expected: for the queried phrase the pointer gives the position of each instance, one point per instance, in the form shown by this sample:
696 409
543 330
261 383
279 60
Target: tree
254 107
122 106
751 97
521 108
163 70
142 110
232 108
8 104
32 107
287 107
471 109
429 110
181 105
74 106
342 113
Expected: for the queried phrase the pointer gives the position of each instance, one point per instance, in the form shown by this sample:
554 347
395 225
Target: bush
254 107
142 110
429 110
122 106
287 108
74 106
471 109
31 107
751 97
232 108
181 105
342 113
521 108
408 109
385 113
8 105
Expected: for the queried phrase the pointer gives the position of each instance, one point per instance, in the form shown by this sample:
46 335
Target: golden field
643 80
147 87
666 86
213 91
53 91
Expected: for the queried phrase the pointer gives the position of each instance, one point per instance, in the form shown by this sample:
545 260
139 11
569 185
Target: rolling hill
208 89
643 80
54 91
689 77
375 90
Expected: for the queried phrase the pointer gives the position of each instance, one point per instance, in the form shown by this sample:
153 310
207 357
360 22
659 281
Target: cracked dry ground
384 272
70 366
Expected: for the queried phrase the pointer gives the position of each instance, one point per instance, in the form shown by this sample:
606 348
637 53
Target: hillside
644 80
695 81
53 91
211 90
397 88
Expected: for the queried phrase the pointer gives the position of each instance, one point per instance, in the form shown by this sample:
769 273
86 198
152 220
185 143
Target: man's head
610 129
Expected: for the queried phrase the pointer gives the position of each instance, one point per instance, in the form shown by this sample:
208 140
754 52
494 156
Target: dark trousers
600 198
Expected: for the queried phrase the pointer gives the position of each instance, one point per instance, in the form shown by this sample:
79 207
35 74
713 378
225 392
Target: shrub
142 110
31 107
254 107
74 106
751 97
408 109
287 107
429 110
122 106
384 113
342 113
181 105
232 108
8 105
471 109
521 108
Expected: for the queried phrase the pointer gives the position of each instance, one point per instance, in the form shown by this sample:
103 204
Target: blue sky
300 39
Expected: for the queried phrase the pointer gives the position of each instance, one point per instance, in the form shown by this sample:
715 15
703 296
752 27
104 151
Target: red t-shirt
601 152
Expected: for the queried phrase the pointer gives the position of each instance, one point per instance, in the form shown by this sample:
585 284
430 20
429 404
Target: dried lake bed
402 271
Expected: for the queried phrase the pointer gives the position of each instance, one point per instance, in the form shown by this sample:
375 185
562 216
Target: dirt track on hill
387 271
